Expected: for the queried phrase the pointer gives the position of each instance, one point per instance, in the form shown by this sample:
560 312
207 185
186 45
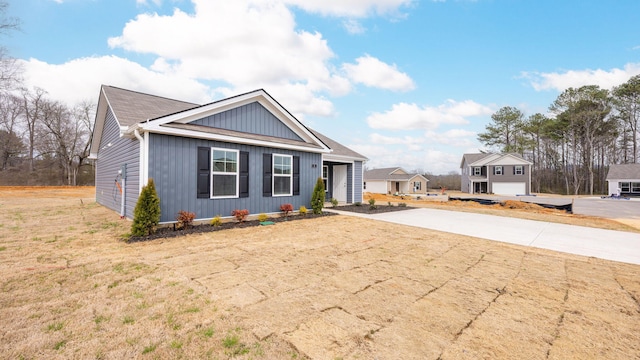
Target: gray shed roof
624 171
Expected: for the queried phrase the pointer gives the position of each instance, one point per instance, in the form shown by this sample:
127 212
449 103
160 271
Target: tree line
586 130
42 141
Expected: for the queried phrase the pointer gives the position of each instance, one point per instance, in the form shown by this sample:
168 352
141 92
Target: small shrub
216 221
372 204
334 202
317 198
303 210
185 219
286 209
263 217
146 214
402 204
240 215
357 203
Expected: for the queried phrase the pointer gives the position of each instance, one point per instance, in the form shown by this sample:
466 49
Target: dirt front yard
337 287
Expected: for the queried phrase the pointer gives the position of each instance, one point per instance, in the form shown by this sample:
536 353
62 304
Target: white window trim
521 167
326 179
498 167
479 171
274 175
237 174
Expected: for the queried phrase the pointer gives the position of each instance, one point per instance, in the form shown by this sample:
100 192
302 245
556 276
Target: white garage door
514 188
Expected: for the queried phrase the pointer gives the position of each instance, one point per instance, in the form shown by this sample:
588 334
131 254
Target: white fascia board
230 139
420 176
341 158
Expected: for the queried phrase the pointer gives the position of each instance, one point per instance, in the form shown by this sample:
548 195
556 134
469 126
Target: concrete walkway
604 244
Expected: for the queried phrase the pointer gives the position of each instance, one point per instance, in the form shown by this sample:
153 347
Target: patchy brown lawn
326 288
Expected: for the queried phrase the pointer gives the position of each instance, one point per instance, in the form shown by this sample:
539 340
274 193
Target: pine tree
146 214
317 199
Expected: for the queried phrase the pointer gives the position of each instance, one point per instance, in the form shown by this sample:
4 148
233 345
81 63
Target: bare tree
11 145
9 67
32 109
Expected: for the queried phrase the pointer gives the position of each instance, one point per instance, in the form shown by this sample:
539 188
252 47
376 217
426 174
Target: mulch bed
170 232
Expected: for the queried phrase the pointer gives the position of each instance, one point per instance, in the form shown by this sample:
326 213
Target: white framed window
497 170
625 186
417 186
477 171
518 170
282 175
325 177
224 173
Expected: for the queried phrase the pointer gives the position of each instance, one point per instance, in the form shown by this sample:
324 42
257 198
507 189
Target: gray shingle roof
385 174
132 107
624 171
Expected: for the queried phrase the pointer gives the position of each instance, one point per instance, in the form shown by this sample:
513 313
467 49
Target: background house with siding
502 174
625 177
242 152
394 180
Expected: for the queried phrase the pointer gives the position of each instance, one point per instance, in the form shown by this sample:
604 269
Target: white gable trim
508 159
485 160
260 96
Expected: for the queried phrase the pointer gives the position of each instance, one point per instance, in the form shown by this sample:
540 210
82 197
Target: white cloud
390 140
353 26
372 72
405 116
78 79
561 81
430 160
359 8
453 137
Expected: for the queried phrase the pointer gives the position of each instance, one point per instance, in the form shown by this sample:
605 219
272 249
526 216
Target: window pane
231 167
624 186
281 165
224 185
281 185
635 187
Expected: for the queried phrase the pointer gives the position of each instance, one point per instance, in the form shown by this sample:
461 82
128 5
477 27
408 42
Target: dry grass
336 287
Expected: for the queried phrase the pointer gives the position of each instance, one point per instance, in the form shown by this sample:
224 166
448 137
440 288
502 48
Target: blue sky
406 83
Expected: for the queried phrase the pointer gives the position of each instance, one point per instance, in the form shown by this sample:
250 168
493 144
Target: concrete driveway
605 244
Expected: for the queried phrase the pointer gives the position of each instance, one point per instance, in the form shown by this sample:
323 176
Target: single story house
242 152
394 180
500 174
625 177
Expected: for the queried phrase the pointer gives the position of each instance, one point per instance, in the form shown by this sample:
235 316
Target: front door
340 183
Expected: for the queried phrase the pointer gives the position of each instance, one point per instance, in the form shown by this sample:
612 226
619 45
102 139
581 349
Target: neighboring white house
625 177
394 180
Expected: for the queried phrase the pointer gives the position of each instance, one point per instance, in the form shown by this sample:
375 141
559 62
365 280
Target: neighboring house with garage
242 152
500 174
394 180
625 177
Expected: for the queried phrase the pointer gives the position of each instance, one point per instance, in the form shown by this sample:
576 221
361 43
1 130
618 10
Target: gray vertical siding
251 118
172 165
349 183
109 160
357 178
464 178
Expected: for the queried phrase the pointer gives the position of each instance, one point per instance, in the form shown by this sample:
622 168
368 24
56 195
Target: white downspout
142 179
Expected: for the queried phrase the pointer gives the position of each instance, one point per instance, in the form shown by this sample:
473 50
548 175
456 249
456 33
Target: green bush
317 198
372 204
216 221
146 214
334 202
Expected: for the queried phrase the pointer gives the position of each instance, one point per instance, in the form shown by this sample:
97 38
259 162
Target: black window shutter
266 174
204 162
244 174
296 175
